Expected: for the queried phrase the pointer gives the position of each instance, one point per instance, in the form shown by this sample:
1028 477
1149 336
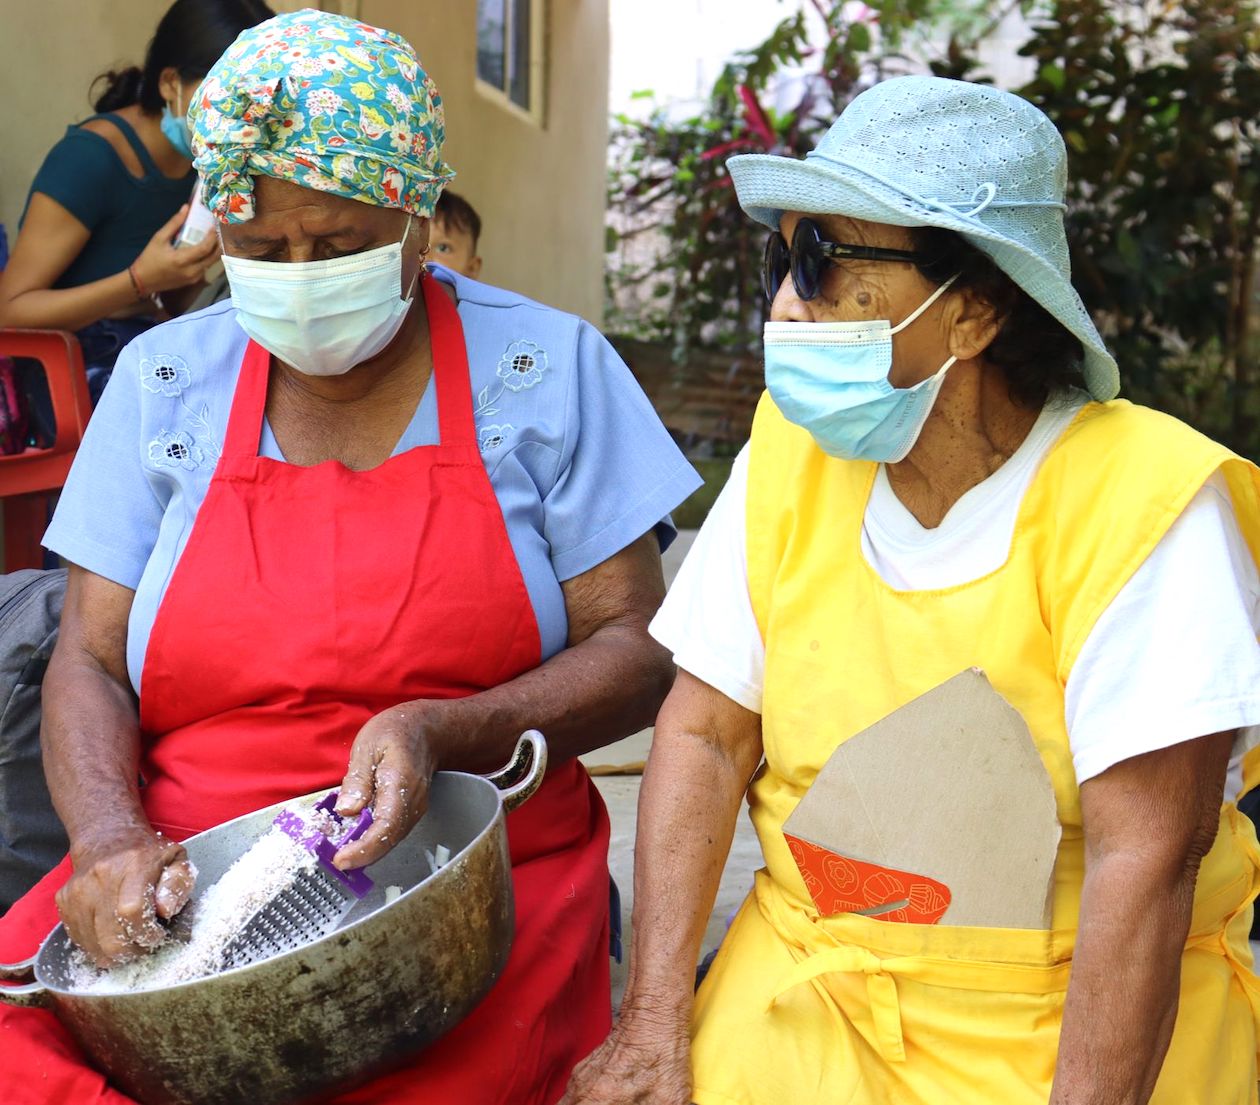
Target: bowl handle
524 772
28 995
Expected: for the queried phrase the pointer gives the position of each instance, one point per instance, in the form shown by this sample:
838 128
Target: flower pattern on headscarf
323 101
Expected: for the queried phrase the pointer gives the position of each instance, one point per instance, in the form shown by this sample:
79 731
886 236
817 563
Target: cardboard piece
947 798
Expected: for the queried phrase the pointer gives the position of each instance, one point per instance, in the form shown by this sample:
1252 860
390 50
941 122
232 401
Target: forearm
705 750
688 805
1122 999
586 696
71 308
91 746
703 754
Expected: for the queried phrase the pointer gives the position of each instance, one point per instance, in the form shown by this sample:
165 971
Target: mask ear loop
906 322
925 305
422 270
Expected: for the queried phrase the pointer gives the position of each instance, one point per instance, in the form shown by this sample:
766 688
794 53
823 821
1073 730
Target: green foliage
668 177
1158 102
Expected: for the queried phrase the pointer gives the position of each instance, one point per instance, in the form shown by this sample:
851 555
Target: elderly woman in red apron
365 522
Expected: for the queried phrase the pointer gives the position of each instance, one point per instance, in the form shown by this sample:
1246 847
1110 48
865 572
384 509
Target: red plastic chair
27 479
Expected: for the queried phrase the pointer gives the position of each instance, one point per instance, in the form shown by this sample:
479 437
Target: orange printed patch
839 884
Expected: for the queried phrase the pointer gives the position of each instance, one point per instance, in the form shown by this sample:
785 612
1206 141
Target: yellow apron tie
1220 941
1247 978
881 991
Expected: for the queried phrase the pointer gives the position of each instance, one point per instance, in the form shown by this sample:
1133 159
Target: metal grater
314 904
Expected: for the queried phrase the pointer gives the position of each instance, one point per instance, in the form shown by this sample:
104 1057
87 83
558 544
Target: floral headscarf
323 101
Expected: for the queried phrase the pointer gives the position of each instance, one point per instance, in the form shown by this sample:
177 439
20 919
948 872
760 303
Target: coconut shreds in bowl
266 870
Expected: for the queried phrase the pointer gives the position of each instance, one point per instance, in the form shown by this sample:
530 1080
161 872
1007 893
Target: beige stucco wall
49 52
538 187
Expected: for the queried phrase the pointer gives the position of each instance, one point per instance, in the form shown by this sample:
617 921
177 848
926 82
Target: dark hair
1038 355
456 211
190 38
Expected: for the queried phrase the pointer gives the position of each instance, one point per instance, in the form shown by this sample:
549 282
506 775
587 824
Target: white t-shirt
1175 656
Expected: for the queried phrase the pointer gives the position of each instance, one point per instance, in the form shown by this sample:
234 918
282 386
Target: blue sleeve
79 173
619 471
109 514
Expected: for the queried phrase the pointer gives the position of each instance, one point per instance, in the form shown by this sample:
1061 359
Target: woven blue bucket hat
926 151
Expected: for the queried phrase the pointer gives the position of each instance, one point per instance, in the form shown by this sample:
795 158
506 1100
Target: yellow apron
850 1010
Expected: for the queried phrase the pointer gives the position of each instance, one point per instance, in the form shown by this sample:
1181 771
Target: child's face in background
453 247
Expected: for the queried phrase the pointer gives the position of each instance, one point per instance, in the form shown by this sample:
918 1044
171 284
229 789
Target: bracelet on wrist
136 284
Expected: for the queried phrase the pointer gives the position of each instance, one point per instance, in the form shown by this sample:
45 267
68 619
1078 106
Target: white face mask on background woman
322 317
831 378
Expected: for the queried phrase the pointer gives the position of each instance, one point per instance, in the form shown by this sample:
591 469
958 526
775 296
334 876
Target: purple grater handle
356 881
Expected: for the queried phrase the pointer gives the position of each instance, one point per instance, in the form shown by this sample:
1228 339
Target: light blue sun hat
926 151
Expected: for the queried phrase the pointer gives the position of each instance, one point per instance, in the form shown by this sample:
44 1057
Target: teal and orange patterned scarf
323 101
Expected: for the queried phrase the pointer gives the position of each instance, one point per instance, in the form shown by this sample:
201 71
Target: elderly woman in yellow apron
940 478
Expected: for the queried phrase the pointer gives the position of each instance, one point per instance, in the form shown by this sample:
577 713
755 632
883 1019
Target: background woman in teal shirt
95 242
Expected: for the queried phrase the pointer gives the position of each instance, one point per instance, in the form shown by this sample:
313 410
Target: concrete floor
621 794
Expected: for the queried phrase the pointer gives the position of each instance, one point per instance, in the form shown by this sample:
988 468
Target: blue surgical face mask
831 378
175 127
322 317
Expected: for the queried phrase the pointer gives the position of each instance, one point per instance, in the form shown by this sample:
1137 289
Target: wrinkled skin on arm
605 685
704 753
1149 821
125 874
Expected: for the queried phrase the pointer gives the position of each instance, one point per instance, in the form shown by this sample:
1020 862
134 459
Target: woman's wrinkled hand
391 765
122 884
636 1065
163 266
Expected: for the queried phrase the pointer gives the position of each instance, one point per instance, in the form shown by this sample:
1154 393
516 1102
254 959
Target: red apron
306 601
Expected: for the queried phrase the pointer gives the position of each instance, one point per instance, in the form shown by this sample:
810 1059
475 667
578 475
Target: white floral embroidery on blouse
168 375
522 366
176 450
165 374
491 437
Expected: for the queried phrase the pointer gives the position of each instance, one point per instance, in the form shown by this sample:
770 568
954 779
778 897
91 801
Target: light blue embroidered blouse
578 459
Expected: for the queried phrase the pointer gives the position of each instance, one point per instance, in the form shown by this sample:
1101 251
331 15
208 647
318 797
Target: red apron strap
245 421
450 367
450 372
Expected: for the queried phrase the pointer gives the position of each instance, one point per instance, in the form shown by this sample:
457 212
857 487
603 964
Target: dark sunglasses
810 254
